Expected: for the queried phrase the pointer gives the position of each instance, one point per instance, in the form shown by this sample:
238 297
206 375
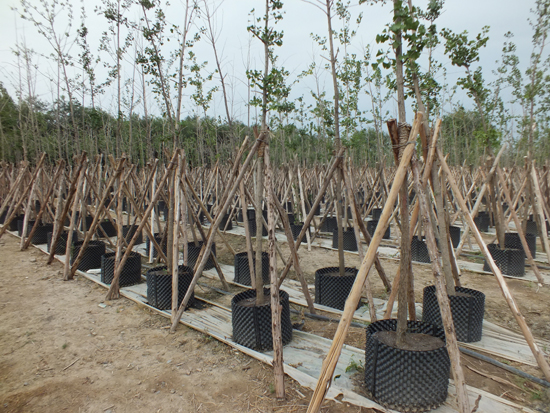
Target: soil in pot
242 268
371 228
252 323
92 255
331 289
131 272
467 308
509 261
193 252
412 378
159 286
350 242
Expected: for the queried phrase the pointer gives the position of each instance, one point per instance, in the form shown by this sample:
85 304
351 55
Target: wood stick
539 356
329 364
538 208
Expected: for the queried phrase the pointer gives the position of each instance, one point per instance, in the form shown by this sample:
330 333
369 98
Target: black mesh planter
288 206
509 261
131 272
19 228
317 210
92 255
482 221
108 227
467 308
531 227
242 269
149 244
226 221
296 229
371 227
331 289
350 243
376 212
40 236
128 232
250 213
14 224
252 324
159 286
406 380
88 221
193 252
329 224
61 246
252 228
3 216
419 250
512 240
454 233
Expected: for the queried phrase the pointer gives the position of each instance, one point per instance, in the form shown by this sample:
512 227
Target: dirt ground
62 348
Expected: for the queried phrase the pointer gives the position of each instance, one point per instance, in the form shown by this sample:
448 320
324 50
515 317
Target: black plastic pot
467 308
331 289
404 380
92 254
329 224
376 212
454 233
419 250
131 272
61 246
531 227
296 229
512 240
317 210
159 286
250 213
128 232
371 228
226 221
108 228
193 253
288 206
252 324
40 236
482 221
350 243
509 261
3 216
242 269
88 221
148 245
252 228
14 224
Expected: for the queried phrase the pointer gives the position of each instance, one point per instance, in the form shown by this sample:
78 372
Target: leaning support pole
442 297
329 364
539 356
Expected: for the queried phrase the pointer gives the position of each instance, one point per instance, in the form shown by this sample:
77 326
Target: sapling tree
271 83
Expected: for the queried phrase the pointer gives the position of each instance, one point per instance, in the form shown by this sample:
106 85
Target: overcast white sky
298 50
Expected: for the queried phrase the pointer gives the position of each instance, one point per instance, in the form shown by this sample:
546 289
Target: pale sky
297 52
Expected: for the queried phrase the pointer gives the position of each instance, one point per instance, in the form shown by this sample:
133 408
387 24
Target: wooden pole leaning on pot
442 289
58 172
112 293
207 246
479 199
176 191
23 195
539 356
330 361
514 215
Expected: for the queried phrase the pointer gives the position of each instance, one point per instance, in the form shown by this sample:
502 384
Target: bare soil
62 348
